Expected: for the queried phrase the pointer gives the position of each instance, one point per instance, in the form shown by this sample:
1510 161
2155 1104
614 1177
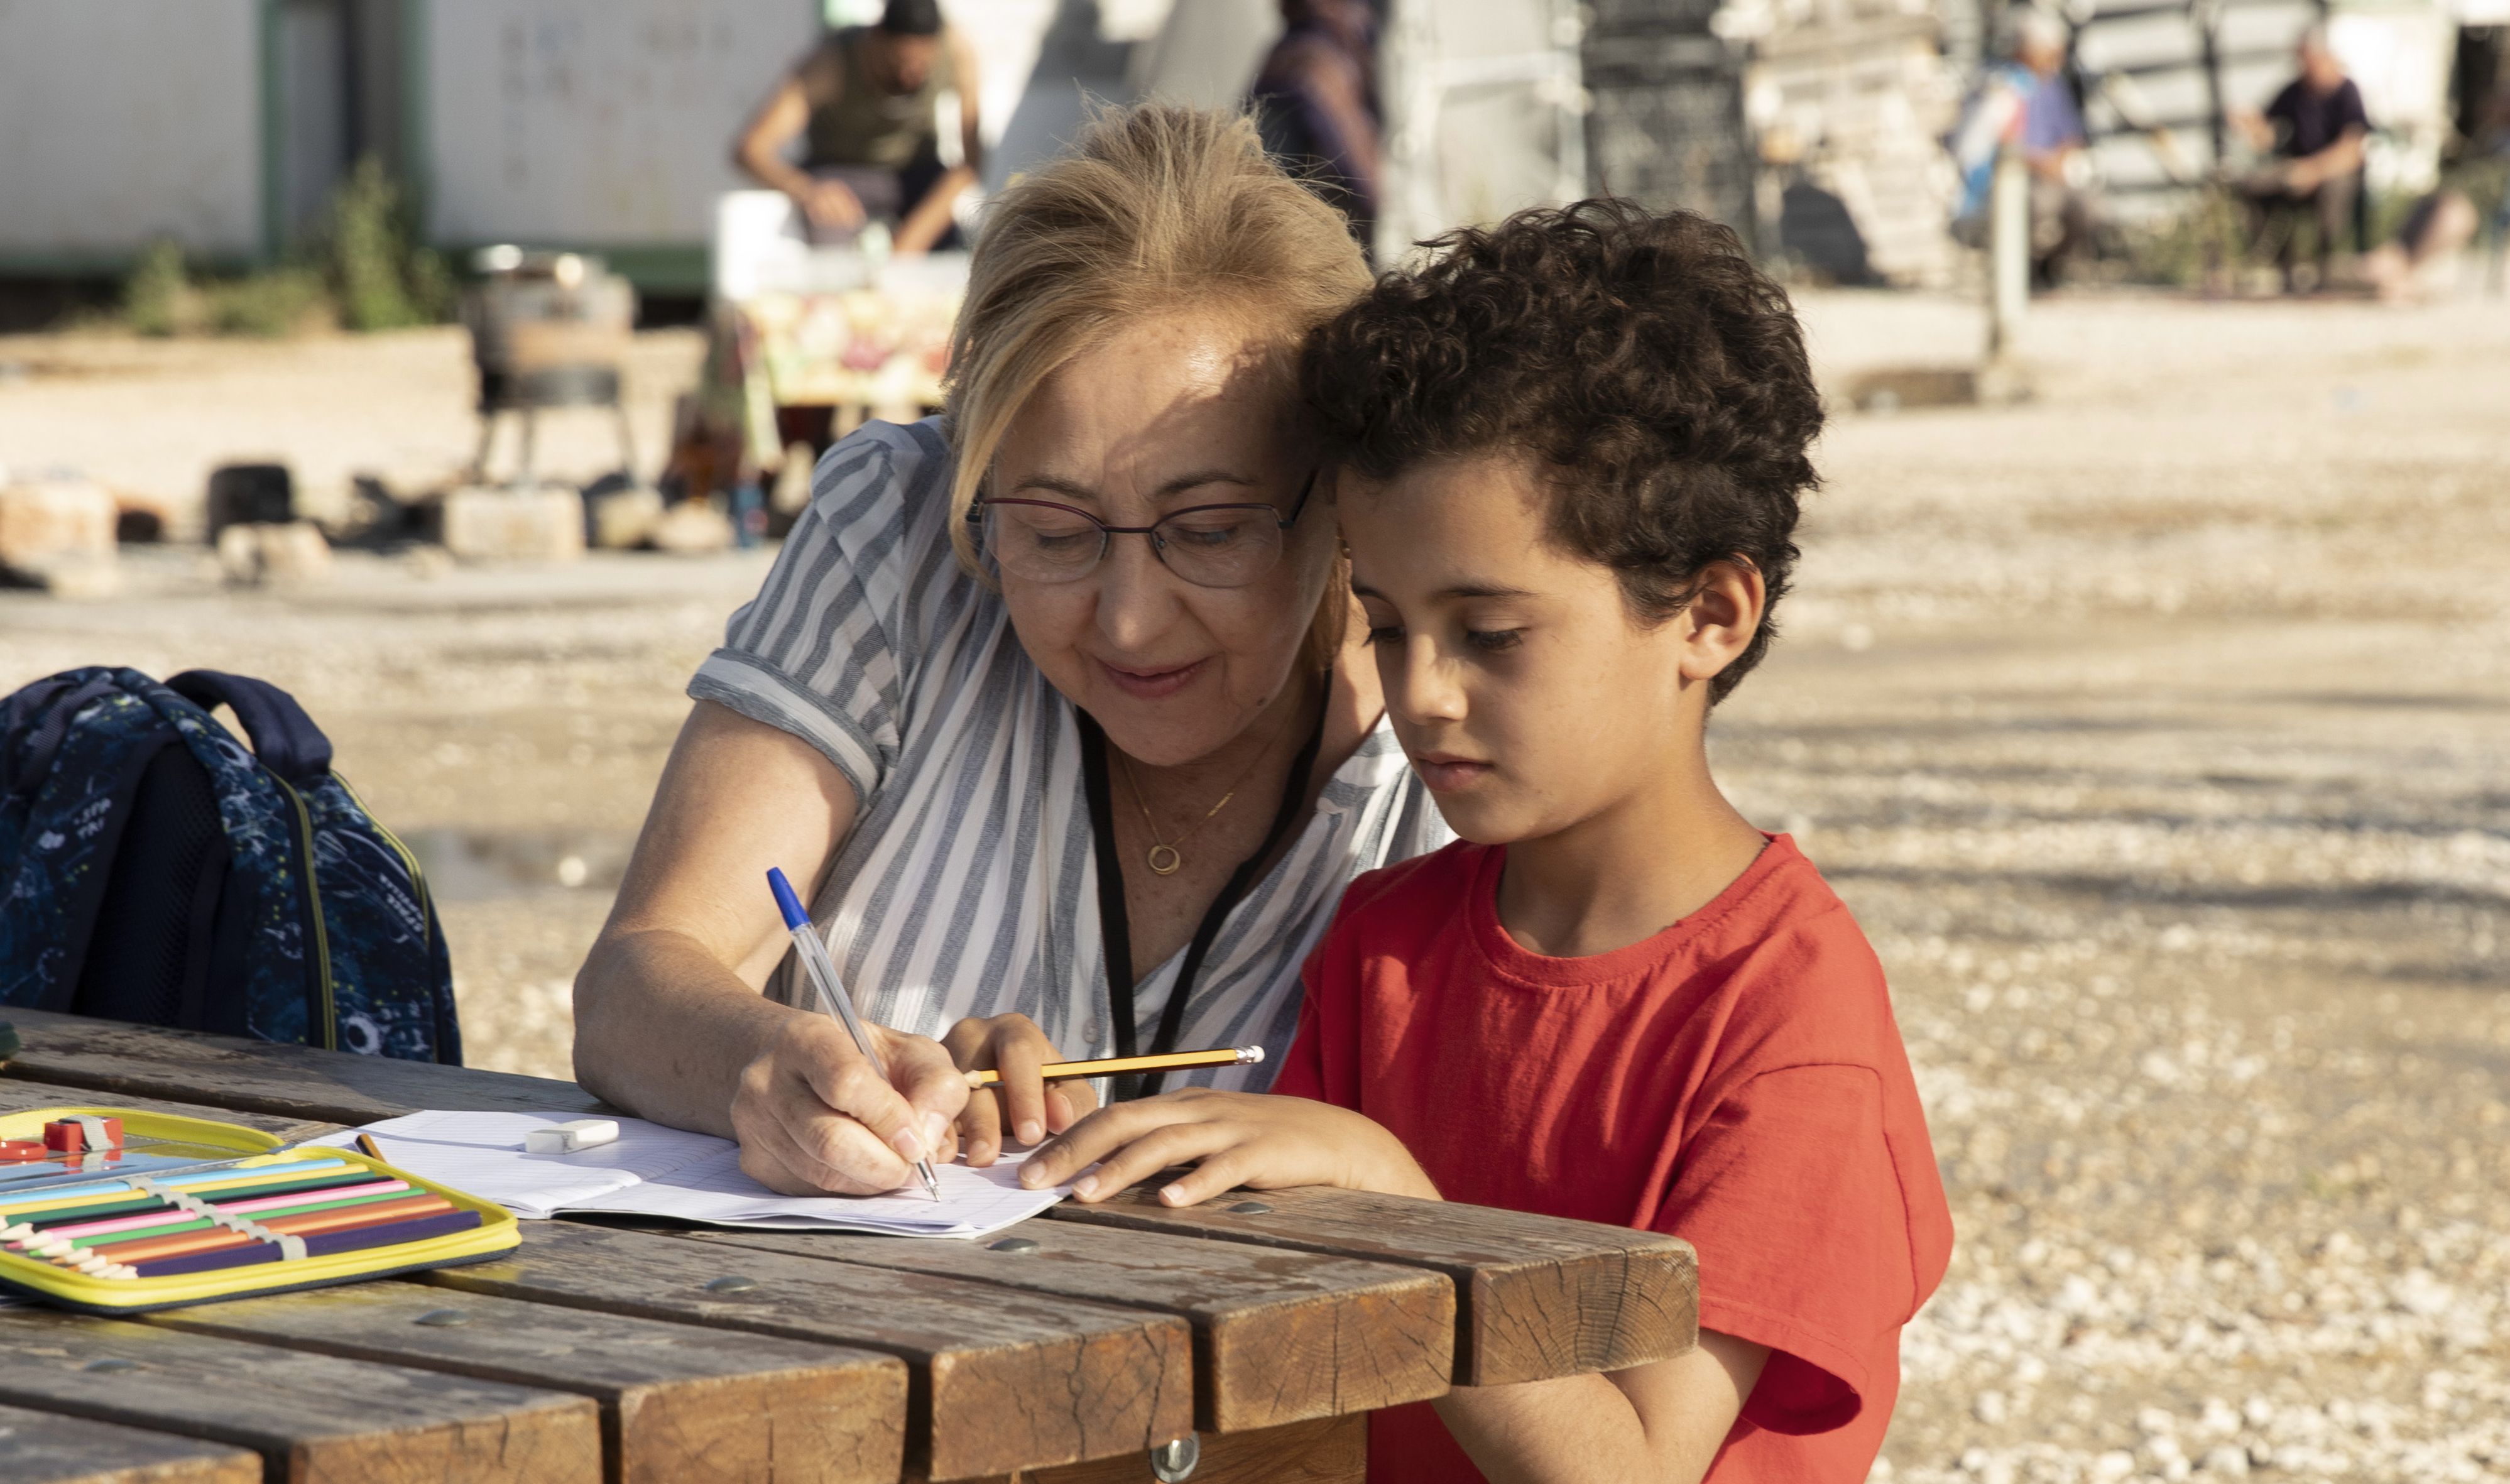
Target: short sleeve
1303 1070
823 651
2349 112
2286 104
1789 1193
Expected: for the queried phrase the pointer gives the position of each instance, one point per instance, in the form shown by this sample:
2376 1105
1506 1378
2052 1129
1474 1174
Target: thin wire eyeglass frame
1159 548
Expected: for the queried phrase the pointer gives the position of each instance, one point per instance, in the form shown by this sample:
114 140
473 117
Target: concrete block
48 521
483 524
292 554
76 578
622 518
691 528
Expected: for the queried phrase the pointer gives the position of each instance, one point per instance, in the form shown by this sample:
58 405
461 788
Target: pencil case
115 1212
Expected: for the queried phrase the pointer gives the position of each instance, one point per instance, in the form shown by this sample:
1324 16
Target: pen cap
787 902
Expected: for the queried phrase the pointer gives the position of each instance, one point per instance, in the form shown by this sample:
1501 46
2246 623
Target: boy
1569 451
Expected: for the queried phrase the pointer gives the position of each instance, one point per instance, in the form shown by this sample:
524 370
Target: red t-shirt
1736 1081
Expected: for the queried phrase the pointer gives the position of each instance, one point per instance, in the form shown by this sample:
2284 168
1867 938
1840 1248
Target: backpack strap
42 716
284 740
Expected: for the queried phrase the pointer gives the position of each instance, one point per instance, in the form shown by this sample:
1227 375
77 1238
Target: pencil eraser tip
1252 1056
787 902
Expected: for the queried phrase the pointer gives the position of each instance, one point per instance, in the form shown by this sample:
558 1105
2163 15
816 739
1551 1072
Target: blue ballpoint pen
832 991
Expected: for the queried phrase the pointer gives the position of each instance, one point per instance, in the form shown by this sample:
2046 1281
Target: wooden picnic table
1262 1328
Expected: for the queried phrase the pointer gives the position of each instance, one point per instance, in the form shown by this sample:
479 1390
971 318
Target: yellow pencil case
74 1198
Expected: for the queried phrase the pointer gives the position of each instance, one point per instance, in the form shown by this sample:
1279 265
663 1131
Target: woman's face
1175 411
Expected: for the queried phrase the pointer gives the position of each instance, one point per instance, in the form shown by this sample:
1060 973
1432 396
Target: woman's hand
814 1118
1022 1102
1248 1139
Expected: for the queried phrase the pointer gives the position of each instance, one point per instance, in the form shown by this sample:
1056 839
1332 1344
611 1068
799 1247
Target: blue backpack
153 870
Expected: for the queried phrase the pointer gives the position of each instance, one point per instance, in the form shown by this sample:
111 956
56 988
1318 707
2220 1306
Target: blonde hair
1152 209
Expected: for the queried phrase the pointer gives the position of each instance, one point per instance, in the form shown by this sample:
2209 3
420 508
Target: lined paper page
657 1171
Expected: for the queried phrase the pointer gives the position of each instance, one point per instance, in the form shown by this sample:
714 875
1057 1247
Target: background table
1061 1349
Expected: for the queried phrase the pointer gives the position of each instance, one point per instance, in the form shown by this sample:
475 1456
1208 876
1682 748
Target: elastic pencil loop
291 1248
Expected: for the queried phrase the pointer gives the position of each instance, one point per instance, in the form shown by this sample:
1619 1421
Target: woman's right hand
1022 1102
814 1118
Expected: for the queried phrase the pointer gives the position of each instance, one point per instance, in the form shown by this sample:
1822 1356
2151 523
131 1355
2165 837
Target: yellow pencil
1110 1066
366 1147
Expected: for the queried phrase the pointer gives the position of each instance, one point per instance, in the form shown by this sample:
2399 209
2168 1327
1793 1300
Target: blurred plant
280 301
157 298
360 264
384 281
2204 244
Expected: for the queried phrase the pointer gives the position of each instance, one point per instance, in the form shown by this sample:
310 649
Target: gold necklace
1163 857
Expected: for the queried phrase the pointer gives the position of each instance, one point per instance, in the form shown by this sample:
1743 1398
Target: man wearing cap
864 104
2027 106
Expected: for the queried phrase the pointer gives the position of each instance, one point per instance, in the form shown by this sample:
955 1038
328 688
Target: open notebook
658 1171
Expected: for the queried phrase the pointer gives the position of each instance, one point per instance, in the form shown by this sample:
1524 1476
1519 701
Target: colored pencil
318 1221
391 1234
1110 1066
134 1205
367 1146
196 1181
389 1209
155 1223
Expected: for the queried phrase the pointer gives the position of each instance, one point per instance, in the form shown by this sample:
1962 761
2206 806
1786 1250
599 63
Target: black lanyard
1117 929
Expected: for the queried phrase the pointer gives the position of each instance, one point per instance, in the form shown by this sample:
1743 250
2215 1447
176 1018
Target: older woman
1049 698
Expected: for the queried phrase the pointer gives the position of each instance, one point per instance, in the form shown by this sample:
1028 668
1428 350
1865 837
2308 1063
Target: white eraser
567 1138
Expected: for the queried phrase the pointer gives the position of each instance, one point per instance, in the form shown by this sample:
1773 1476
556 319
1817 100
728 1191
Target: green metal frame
654 267
417 163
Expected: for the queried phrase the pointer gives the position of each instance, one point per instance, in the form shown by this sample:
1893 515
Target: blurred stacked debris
1813 126
1850 101
56 534
1666 127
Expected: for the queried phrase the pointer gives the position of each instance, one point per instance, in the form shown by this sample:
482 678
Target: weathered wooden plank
17 1096
998 1380
1537 1296
1280 1336
313 1419
46 1448
291 1081
678 1403
1326 1451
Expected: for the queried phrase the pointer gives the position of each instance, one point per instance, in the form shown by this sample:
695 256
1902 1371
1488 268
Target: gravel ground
2156 729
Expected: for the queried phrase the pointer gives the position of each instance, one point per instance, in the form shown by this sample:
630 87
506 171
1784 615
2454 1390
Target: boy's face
1525 691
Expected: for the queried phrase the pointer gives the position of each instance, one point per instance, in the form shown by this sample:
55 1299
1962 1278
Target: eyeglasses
1210 546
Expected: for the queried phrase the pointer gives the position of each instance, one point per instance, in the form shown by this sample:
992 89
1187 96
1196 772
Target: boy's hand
1237 1139
1021 1105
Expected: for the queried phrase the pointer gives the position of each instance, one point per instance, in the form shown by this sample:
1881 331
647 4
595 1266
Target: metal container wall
128 122
593 123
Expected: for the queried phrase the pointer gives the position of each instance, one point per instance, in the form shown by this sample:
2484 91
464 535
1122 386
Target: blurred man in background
2314 129
1315 101
864 104
2028 105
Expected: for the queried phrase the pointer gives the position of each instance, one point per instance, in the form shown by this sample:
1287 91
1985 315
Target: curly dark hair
1642 357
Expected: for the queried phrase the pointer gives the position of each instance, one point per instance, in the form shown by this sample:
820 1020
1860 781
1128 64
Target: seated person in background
862 105
1568 455
2028 105
1315 101
2315 128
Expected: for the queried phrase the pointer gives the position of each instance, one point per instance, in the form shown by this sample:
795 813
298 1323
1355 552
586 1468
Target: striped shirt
969 885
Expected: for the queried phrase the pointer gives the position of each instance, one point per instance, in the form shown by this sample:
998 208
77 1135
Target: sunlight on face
1174 411
1524 692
